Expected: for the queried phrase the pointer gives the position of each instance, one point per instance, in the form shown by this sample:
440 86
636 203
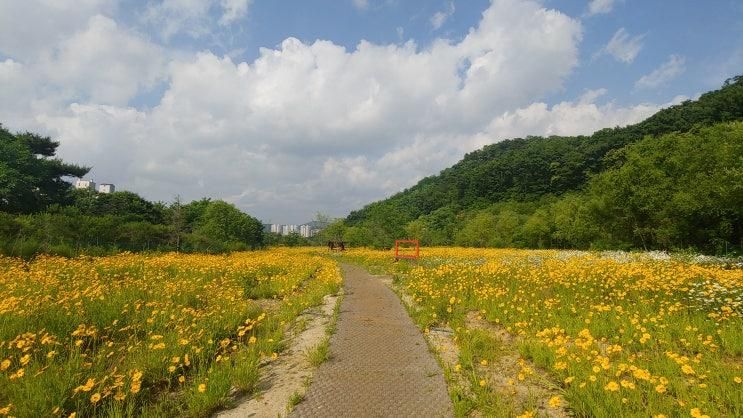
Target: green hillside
509 181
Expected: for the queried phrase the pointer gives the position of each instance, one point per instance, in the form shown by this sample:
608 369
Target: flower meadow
609 335
147 335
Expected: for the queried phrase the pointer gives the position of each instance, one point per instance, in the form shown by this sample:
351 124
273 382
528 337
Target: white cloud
305 126
596 7
194 18
28 26
439 18
233 10
361 4
104 63
580 117
663 74
622 46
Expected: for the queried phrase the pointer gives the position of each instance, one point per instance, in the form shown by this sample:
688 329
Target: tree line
41 213
670 182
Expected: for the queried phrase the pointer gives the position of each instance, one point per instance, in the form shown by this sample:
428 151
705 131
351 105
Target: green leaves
30 180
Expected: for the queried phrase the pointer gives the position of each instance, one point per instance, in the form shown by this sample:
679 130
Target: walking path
380 364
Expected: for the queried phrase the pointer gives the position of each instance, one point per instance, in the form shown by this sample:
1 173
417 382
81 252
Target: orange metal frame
408 256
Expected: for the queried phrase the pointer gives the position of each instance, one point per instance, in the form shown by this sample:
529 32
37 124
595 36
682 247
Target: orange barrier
405 249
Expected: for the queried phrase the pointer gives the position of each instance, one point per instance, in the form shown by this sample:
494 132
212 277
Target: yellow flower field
610 334
146 335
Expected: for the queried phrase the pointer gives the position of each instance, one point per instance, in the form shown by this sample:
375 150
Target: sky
291 107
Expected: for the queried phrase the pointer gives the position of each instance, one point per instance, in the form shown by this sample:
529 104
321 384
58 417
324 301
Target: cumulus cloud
440 17
28 26
672 68
304 126
622 46
581 117
131 63
596 7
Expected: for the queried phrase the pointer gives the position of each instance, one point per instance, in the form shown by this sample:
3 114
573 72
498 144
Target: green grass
320 353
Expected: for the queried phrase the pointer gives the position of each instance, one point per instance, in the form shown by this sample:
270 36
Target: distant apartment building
106 188
306 231
85 184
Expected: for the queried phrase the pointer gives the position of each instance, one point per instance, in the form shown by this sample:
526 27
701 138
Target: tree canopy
552 186
31 178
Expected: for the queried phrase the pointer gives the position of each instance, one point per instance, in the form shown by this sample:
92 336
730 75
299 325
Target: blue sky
286 108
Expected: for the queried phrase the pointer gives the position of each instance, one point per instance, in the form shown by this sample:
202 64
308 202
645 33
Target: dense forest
41 212
673 181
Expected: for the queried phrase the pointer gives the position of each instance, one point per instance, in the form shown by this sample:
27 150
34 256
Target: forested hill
534 168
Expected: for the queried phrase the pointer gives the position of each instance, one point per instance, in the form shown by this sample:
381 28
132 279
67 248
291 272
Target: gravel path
380 364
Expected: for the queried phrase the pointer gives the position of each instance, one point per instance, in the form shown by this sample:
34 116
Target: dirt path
286 376
380 365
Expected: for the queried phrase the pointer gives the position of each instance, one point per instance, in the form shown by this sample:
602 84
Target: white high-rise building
85 184
305 231
276 228
106 188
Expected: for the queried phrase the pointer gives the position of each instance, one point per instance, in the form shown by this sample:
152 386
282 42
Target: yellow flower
659 416
627 384
252 339
4 365
484 362
18 374
202 388
554 402
95 398
660 389
687 369
482 382
87 387
527 414
737 379
697 413
569 380
181 379
611 386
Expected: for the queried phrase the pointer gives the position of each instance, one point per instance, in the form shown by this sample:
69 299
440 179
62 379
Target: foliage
31 178
223 224
121 204
541 192
680 190
68 232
